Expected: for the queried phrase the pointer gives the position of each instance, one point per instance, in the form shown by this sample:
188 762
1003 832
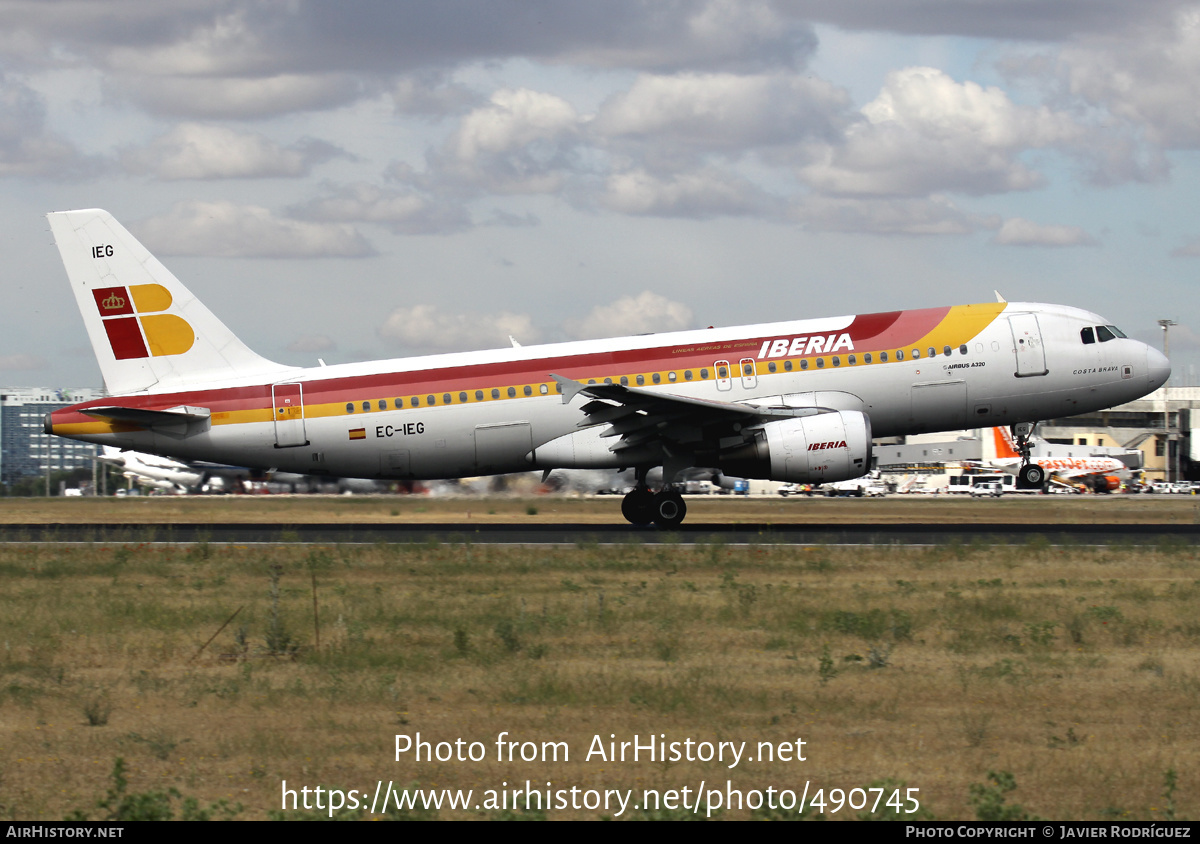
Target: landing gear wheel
669 509
1031 476
638 506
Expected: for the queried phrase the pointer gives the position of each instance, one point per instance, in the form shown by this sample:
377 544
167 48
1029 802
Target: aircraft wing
679 423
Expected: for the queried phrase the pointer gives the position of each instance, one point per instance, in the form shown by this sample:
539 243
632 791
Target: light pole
1165 325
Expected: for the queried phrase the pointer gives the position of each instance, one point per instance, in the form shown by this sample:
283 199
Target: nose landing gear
1030 475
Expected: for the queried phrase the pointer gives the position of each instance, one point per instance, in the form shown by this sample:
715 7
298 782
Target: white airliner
788 401
1002 452
152 470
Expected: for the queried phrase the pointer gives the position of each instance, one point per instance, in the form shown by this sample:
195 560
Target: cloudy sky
374 179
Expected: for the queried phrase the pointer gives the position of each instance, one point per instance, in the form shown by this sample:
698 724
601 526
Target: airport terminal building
25 449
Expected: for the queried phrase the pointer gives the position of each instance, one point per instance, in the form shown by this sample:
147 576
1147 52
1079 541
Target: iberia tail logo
135 324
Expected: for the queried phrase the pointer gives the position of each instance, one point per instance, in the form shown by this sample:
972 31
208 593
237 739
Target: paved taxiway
608 534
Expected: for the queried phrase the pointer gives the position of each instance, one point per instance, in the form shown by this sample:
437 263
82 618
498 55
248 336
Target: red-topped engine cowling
827 447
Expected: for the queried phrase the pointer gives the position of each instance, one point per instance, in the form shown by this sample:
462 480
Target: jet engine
833 446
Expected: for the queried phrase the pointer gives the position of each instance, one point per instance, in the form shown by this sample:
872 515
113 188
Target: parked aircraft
151 470
1100 472
788 401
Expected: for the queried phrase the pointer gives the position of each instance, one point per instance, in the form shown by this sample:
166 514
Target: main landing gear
641 506
1030 475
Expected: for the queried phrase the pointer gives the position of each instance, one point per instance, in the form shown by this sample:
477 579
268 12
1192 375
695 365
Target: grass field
1073 669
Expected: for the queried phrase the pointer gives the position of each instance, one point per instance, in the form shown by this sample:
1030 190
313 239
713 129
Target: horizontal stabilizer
171 420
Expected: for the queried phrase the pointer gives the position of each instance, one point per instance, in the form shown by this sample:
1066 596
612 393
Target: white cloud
935 215
926 133
1017 231
642 314
27 147
198 151
724 110
226 230
424 328
237 98
1147 76
312 343
703 194
517 143
1191 249
21 363
403 211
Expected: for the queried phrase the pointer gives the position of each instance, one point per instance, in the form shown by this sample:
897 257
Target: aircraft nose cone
1158 367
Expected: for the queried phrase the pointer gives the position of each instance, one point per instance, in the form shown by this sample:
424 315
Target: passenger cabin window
916 354
837 361
462 397
529 390
704 373
867 358
671 376
1103 334
932 352
543 389
900 355
512 392
366 405
641 379
883 357
415 401
946 351
853 359
804 364
496 393
656 378
820 363
787 366
771 366
962 350
687 375
624 381
383 404
479 395
722 372
431 400
349 407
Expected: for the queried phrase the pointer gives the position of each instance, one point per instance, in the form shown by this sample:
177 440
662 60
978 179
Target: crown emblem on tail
113 302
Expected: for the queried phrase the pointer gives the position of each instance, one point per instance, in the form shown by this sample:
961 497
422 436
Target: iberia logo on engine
135 324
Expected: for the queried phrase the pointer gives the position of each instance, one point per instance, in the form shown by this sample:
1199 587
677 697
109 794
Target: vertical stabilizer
998 445
147 329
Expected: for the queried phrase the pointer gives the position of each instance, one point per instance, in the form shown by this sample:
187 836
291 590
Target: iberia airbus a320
795 401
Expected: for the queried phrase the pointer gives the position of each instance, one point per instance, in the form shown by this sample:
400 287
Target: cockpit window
1118 332
1103 334
1087 336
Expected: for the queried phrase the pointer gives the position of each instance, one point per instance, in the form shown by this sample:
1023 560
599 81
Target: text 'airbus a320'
788 401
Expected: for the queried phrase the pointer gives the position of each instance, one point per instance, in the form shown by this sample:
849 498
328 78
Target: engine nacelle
808 449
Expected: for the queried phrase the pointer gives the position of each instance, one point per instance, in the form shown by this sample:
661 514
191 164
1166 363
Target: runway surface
606 534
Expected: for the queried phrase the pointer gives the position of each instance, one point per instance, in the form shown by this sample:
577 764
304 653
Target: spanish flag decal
358 433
